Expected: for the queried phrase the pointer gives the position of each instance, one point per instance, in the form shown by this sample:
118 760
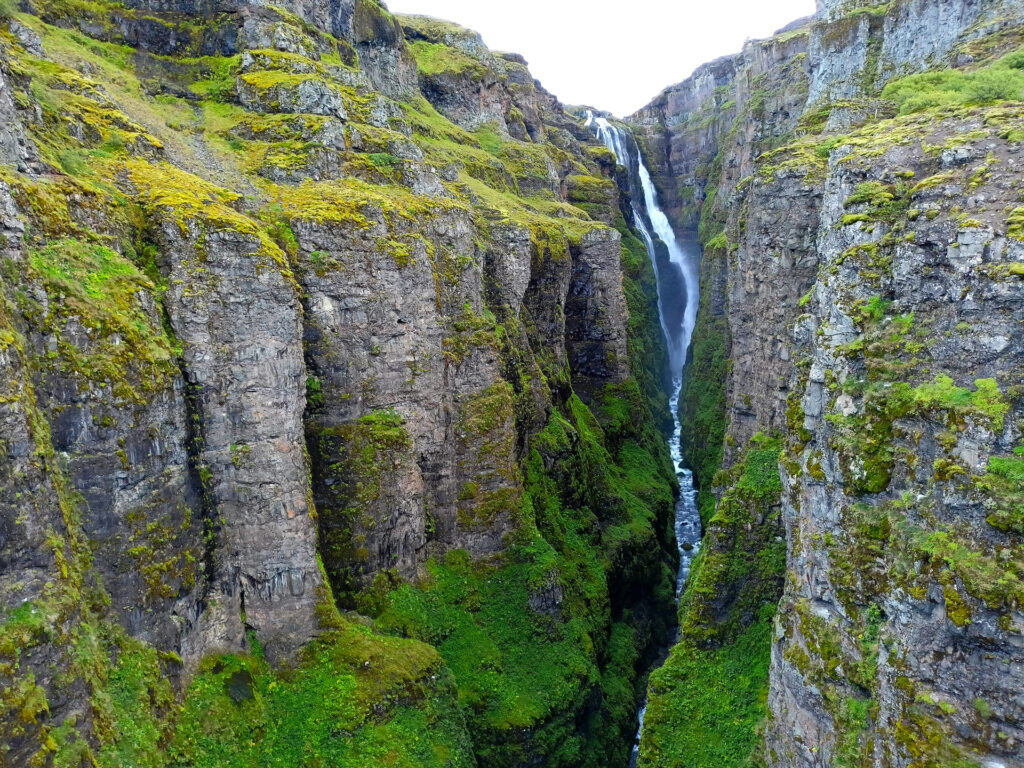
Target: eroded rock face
849 51
315 323
597 317
954 304
233 305
866 291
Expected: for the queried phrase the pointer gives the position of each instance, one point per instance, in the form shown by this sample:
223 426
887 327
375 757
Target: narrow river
676 274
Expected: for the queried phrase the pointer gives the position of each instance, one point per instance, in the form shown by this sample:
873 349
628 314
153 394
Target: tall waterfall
681 270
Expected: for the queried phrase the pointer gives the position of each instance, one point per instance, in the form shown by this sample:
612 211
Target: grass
435 59
1002 81
707 707
520 668
354 699
707 704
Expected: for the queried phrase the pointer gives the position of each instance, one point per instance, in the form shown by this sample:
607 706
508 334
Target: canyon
361 404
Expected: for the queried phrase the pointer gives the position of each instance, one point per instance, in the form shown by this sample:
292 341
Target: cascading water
651 222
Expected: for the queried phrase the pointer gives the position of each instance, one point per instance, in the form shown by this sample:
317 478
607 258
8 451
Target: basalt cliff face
854 404
331 398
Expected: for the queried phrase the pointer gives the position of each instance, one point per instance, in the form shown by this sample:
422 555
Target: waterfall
654 228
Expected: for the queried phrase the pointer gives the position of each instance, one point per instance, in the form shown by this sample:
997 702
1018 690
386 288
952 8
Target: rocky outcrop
233 305
860 291
908 641
474 87
853 49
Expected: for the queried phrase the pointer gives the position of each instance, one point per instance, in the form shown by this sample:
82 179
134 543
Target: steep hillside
856 387
329 398
333 396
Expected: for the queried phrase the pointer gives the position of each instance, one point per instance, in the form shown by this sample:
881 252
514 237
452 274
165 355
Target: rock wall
908 619
318 332
861 284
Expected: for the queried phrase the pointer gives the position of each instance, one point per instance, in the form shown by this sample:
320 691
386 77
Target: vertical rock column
596 315
234 308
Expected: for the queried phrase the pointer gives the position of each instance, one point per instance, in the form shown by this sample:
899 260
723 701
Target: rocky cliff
333 396
329 401
854 390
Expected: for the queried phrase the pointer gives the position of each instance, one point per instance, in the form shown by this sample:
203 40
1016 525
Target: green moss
1001 81
518 665
314 392
998 581
353 699
104 291
852 726
866 443
351 468
216 77
648 356
435 59
489 141
800 157
434 30
702 401
1004 484
872 192
355 203
1015 224
886 551
590 189
707 707
719 242
884 203
707 704
373 24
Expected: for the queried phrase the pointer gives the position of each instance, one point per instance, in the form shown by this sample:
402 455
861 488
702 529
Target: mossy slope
136 144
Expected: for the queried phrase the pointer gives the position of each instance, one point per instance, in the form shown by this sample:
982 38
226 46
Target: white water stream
648 217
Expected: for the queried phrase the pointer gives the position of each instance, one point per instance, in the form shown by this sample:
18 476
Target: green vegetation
741 561
435 59
702 400
1001 81
707 706
103 291
887 549
1004 484
1015 224
708 703
353 699
350 464
519 663
866 443
646 348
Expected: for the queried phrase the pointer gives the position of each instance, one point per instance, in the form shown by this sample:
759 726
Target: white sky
615 56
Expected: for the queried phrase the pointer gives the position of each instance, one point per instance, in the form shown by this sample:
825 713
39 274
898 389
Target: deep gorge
347 383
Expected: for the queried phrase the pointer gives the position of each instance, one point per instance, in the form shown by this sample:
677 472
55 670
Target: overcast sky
585 53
